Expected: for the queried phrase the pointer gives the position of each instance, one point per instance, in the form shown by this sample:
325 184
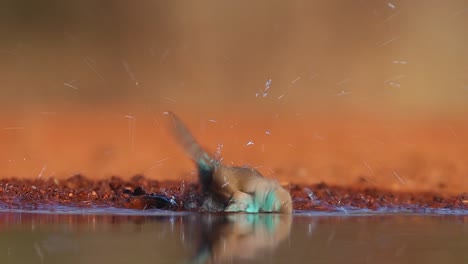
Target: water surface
123 236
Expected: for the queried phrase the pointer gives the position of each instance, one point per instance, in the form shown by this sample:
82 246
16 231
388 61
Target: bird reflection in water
242 236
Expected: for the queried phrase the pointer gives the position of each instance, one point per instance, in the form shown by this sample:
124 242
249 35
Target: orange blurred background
370 92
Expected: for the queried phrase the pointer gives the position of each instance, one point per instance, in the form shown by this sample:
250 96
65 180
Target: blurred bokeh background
367 92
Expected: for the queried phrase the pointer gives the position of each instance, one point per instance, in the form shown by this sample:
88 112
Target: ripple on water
339 211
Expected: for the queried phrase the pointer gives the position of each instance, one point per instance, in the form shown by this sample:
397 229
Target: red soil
365 161
142 193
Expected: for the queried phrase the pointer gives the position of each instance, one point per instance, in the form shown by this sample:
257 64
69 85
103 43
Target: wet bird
239 189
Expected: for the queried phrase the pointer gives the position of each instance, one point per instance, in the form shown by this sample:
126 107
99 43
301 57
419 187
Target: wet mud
141 193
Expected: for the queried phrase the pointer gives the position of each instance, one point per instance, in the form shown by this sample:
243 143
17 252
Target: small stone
139 191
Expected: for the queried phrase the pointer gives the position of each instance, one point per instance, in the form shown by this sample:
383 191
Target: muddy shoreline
141 193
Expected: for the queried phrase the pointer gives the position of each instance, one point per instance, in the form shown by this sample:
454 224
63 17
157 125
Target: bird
239 189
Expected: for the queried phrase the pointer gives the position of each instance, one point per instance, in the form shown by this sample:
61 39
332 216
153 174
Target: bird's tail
206 164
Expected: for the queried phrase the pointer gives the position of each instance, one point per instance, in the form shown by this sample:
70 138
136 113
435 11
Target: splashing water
217 154
264 93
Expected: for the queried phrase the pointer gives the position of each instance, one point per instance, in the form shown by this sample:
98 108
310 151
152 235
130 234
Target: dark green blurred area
397 55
